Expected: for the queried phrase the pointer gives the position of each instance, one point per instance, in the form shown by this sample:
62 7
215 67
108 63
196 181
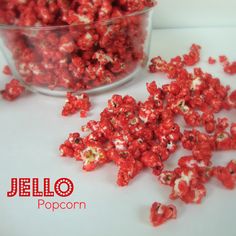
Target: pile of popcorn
136 135
76 45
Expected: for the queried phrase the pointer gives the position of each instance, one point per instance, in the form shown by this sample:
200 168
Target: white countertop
31 129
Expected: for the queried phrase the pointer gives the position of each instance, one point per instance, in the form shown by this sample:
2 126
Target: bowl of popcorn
61 46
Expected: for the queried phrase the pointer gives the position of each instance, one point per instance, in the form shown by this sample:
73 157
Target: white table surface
31 130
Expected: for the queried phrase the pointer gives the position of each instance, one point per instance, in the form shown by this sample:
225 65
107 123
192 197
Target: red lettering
58 190
36 192
40 203
13 191
24 187
47 192
63 187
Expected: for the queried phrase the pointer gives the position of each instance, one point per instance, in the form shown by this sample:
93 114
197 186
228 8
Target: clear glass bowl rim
55 27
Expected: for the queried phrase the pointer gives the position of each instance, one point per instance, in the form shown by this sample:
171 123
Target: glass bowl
93 57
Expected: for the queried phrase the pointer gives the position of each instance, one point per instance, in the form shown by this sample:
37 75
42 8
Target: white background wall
195 13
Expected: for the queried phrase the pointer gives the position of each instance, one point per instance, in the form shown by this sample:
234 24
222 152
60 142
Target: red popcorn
226 175
222 124
106 10
202 167
12 90
223 141
187 180
66 44
158 65
208 121
189 139
154 161
231 167
232 99
223 59
233 130
211 61
76 103
6 70
161 213
167 177
87 40
74 142
191 162
202 151
66 150
193 57
151 159
229 67
192 118
128 170
92 156
187 187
